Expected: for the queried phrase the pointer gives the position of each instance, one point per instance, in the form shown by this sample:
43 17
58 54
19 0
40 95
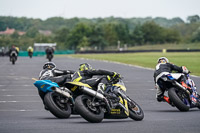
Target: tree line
100 33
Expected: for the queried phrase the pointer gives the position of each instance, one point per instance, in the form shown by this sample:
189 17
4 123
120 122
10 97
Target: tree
193 19
84 42
77 34
96 38
32 32
196 36
152 32
137 36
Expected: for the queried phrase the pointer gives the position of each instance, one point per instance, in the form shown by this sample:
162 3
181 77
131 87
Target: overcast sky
44 9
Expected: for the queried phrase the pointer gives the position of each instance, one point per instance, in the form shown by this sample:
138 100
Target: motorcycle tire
58 109
50 57
135 112
13 60
89 113
174 98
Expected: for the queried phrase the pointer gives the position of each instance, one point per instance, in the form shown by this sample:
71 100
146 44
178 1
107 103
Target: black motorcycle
94 106
49 57
30 54
13 57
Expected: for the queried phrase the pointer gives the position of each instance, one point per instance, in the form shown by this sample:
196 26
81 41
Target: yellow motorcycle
113 103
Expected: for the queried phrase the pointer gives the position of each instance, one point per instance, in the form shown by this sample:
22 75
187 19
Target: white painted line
17 89
22 110
19 101
16 85
20 95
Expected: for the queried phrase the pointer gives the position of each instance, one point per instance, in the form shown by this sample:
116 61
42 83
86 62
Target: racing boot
168 100
101 88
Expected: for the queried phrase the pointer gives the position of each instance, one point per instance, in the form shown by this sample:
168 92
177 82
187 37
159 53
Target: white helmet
162 60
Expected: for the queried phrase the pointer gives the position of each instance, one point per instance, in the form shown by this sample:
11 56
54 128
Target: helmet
49 65
85 66
163 60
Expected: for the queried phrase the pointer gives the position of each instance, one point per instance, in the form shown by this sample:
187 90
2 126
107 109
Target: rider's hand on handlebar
116 75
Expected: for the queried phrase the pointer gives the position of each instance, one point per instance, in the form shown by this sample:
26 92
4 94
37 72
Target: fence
42 53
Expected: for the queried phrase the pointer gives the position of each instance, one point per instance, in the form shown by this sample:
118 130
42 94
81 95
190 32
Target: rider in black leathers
12 51
49 51
50 72
86 73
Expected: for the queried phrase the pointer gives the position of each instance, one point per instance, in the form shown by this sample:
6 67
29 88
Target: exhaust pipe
64 93
181 87
92 93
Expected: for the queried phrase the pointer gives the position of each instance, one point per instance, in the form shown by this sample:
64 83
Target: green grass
190 60
166 46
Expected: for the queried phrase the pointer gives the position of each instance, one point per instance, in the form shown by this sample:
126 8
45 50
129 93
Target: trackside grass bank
189 59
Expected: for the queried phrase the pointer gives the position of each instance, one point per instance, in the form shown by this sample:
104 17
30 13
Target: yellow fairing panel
80 84
121 86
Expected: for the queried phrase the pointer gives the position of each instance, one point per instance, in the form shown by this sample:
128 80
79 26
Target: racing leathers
86 76
13 52
55 75
49 51
163 69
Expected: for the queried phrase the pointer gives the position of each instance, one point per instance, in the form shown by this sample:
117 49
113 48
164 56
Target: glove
116 75
185 70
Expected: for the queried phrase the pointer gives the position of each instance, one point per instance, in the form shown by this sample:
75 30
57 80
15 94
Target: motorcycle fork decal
124 102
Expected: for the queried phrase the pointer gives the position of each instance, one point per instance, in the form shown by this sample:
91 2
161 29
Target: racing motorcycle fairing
45 85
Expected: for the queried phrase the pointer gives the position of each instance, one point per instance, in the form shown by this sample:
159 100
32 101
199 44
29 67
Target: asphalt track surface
21 109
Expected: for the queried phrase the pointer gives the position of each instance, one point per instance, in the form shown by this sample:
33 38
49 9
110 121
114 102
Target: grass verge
190 60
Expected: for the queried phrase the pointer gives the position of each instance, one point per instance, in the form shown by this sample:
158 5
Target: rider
50 72
163 68
12 51
86 73
30 49
49 51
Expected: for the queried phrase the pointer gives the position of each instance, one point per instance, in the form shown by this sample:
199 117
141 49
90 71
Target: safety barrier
42 53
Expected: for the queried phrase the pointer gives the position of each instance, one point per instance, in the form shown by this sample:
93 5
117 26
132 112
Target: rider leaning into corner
86 73
50 72
12 51
163 68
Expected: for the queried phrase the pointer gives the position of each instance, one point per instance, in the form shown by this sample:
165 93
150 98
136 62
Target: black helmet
163 60
49 65
85 66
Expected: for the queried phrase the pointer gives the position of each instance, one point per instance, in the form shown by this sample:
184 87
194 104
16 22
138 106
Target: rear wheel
59 109
178 100
84 106
135 111
13 60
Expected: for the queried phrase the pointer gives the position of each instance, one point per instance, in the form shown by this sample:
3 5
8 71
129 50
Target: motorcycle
30 54
58 100
49 57
182 95
13 57
113 103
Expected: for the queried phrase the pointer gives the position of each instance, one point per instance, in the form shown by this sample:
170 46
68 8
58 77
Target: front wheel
135 111
53 102
178 100
84 105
